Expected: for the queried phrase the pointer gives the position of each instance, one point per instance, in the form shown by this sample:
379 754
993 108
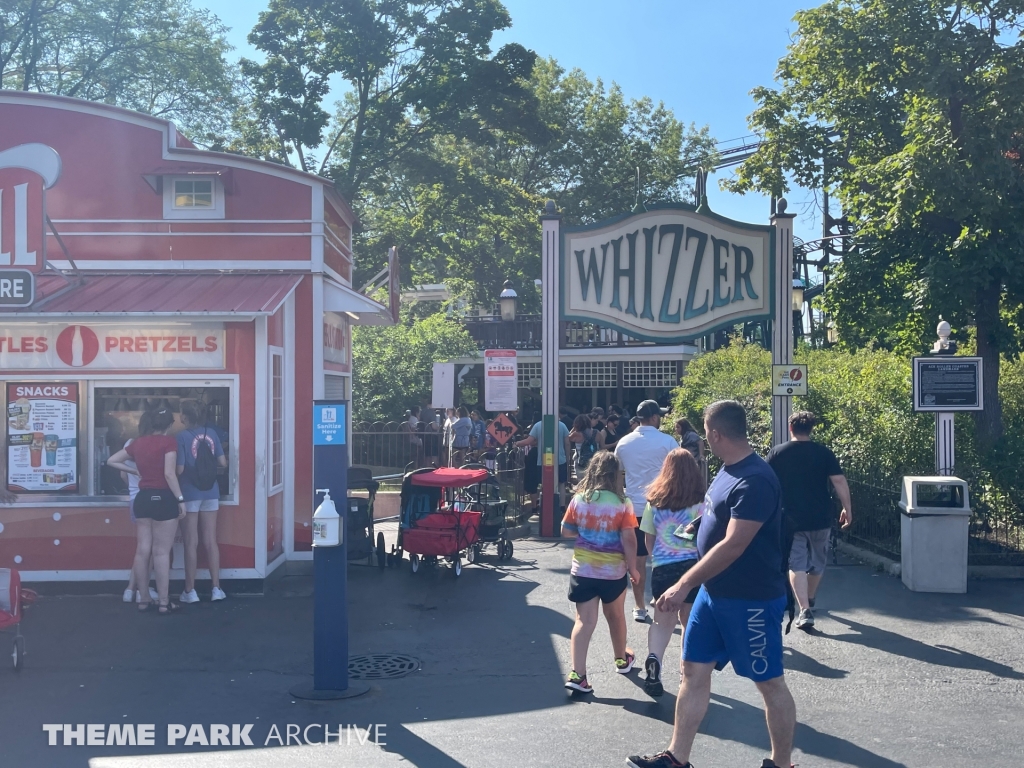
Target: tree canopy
161 57
912 111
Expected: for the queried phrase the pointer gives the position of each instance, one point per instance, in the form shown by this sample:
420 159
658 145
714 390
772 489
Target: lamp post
832 333
507 300
798 308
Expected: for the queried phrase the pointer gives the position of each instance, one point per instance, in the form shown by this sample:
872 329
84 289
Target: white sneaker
129 595
217 594
189 597
640 614
153 594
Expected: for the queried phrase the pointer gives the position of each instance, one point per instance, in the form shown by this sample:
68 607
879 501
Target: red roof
191 293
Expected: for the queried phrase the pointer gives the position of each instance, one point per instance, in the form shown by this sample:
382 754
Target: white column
550 222
782 323
945 460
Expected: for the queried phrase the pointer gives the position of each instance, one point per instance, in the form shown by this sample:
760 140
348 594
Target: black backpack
204 473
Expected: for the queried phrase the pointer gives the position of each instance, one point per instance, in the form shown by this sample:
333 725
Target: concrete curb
895 568
880 562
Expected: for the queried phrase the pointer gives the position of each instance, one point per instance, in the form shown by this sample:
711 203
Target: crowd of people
723 558
172 485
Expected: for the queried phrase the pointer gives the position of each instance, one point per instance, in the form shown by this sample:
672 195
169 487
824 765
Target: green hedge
864 400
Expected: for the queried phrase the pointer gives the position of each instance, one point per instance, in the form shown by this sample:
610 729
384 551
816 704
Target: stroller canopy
449 477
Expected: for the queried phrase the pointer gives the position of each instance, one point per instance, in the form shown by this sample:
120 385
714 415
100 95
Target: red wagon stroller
12 600
435 523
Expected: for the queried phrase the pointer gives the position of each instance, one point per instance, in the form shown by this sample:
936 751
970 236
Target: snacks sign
27 347
42 437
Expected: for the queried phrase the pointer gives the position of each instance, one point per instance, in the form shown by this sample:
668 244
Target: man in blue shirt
737 616
563 451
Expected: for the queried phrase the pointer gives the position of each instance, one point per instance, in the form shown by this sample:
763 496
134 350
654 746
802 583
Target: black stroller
361 544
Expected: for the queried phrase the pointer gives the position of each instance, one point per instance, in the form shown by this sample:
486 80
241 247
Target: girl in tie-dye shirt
600 518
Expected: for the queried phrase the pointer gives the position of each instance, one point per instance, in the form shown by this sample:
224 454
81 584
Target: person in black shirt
805 469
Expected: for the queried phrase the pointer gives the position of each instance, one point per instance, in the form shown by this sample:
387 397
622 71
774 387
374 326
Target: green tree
467 210
161 57
912 111
392 365
415 70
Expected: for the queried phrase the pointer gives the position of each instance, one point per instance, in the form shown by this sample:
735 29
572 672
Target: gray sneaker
805 620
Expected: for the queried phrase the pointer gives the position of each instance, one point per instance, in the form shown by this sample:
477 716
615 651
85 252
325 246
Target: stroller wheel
18 654
381 551
457 566
471 554
415 561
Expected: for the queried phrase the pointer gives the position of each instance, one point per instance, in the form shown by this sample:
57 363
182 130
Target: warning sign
789 379
501 429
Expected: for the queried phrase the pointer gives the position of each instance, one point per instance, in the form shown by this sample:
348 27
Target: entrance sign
329 424
789 380
948 384
501 376
667 275
110 347
42 437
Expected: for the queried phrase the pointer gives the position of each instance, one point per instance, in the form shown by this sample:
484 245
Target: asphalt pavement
889 678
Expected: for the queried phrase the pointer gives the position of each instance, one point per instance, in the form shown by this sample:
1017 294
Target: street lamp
507 300
798 294
832 333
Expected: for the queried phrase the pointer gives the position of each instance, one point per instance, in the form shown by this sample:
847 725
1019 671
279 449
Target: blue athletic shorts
747 633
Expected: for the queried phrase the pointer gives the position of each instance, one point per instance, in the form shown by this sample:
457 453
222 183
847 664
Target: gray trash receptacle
934 517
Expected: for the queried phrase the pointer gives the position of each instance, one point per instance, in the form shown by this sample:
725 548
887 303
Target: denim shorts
747 633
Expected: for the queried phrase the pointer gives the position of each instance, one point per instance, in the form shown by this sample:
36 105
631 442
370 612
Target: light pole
798 308
507 301
945 456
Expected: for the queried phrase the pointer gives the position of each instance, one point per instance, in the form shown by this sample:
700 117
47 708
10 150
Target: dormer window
189 194
198 196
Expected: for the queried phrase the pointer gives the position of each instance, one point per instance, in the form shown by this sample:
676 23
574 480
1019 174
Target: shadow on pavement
795 661
907 647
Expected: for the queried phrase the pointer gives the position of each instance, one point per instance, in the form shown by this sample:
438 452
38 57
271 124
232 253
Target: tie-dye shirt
662 525
598 525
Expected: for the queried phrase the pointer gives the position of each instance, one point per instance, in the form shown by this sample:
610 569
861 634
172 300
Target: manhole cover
381 666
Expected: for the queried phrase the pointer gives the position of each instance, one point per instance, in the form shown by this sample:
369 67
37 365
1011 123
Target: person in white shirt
641 453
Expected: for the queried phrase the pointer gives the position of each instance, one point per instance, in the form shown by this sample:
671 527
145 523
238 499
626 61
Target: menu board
42 437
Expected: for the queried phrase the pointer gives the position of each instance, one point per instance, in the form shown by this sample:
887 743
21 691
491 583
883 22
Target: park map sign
668 275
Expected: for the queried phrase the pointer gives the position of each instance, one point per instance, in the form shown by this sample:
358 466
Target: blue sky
700 58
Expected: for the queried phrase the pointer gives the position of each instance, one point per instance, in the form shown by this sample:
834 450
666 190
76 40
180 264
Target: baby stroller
485 497
435 522
12 600
360 517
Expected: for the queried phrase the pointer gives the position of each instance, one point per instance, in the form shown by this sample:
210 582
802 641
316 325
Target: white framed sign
96 346
442 391
789 380
667 275
948 383
501 376
42 437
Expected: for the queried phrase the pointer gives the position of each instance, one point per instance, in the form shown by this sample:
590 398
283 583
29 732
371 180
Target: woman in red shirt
159 504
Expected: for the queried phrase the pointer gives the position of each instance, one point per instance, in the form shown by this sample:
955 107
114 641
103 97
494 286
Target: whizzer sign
668 275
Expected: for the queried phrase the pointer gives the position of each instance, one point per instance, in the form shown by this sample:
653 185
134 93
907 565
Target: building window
276 419
644 374
527 372
193 197
590 375
193 194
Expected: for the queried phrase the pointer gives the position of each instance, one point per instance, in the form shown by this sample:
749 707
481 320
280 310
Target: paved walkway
891 678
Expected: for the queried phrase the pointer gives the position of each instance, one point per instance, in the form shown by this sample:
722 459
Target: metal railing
491 332
996 531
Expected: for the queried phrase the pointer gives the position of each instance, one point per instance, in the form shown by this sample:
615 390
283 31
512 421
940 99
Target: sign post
782 321
550 269
330 563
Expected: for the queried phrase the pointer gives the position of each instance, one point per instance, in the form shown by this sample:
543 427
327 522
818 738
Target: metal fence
389 448
997 521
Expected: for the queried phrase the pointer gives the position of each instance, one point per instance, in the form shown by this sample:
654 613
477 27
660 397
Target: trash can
934 515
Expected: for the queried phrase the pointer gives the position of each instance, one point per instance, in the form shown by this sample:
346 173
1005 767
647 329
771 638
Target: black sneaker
652 685
767 763
660 760
577 683
805 620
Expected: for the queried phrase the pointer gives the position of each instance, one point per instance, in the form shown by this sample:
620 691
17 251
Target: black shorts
532 474
155 504
583 589
664 576
641 544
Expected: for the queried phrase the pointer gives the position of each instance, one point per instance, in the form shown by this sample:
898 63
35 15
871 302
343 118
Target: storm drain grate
381 666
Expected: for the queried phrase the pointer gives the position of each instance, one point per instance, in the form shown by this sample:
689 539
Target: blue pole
330 564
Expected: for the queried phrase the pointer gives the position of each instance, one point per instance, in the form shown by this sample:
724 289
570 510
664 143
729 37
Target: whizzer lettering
668 274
